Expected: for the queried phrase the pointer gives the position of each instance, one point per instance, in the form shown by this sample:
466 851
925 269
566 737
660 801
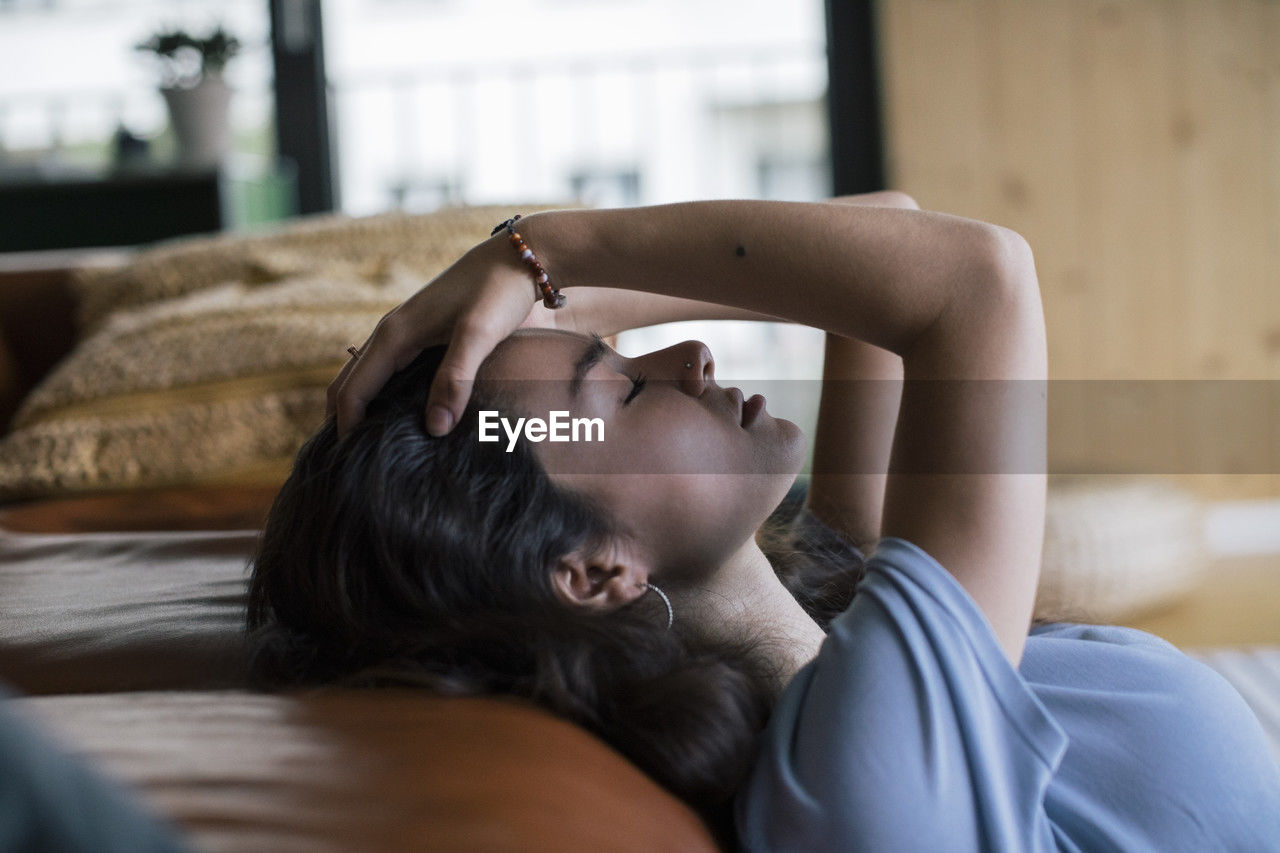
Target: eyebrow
591 356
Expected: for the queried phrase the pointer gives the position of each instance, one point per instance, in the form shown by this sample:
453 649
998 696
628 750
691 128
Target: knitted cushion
1115 546
206 361
424 244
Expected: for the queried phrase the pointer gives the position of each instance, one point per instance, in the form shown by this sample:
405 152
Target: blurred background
204 202
1135 144
389 104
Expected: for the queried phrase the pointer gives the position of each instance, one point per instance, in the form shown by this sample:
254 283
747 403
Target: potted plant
199 100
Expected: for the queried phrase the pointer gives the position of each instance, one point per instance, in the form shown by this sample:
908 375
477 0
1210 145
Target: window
616 104
58 115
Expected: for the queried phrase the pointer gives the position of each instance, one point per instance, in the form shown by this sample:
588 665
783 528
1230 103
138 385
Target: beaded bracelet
551 297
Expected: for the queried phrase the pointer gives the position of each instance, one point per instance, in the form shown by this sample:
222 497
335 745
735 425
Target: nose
701 371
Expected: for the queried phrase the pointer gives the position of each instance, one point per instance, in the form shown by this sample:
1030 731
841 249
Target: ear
605 579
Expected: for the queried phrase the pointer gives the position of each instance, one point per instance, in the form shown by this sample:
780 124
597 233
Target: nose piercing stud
687 365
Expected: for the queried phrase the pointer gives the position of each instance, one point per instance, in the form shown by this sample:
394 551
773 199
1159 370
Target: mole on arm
741 252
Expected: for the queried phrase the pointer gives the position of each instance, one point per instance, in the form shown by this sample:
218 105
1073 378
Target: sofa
121 620
150 406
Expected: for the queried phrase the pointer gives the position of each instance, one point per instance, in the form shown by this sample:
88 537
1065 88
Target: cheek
693 491
699 521
689 523
658 443
683 438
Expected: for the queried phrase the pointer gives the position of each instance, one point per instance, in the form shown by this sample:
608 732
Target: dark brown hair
391 557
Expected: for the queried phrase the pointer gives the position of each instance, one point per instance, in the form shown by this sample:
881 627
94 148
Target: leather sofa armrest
37 317
386 770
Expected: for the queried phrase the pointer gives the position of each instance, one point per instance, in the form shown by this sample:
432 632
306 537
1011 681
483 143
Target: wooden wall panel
1136 145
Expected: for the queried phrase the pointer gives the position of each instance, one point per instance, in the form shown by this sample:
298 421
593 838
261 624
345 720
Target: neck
744 599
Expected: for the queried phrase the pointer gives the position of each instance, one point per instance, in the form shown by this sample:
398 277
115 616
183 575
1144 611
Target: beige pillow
205 361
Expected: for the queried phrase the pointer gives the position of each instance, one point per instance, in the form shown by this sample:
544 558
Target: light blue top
911 730
52 802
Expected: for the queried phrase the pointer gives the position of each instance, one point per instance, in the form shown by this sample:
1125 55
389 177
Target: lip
735 400
751 409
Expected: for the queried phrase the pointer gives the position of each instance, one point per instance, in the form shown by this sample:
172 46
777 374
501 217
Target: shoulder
1116 635
909 700
928 611
1116 658
900 569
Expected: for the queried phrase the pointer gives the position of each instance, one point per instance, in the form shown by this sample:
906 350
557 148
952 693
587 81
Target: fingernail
439 420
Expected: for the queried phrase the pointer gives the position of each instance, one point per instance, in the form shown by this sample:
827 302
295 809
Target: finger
388 350
451 389
331 394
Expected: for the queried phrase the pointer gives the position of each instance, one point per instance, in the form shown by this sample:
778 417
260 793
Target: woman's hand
473 305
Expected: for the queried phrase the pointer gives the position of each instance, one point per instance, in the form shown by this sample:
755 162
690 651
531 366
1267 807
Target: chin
792 447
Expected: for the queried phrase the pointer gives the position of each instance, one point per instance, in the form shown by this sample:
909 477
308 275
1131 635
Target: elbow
1000 296
1009 264
1016 303
992 307
897 198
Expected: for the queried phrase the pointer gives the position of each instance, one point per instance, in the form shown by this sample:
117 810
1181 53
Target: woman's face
688 481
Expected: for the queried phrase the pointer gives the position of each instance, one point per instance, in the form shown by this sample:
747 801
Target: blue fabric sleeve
52 802
910 730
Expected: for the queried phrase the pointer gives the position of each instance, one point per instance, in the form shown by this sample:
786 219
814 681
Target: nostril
708 362
695 366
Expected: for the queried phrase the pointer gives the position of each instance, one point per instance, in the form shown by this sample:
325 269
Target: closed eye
637 385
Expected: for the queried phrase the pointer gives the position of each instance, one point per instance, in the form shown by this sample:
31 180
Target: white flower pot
201 119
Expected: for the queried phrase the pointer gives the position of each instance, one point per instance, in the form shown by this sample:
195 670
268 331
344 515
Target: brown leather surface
100 613
37 328
91 614
123 611
179 508
371 770
11 392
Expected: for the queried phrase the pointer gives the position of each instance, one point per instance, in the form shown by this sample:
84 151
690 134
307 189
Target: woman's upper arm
861 384
967 472
861 387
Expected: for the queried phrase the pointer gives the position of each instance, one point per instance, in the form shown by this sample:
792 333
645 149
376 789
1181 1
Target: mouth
735 401
745 411
751 409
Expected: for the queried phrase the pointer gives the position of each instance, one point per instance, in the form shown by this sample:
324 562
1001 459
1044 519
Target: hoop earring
671 614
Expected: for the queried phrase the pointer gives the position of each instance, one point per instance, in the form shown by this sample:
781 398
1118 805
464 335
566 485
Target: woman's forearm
884 275
608 311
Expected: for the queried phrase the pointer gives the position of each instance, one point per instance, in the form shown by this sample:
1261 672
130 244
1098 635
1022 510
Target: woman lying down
638 581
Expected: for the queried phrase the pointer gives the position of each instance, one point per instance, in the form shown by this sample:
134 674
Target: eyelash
637 385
